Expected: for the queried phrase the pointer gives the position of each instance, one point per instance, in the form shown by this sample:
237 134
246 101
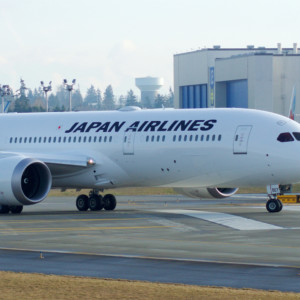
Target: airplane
206 153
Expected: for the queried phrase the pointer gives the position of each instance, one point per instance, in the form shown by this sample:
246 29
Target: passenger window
219 138
213 137
59 139
296 135
25 140
30 139
285 137
191 138
202 138
79 139
74 139
174 138
100 139
49 140
196 138
207 138
163 138
147 138
10 140
152 138
185 138
179 138
110 139
105 139
157 138
20 140
45 139
54 139
95 139
84 139
40 139
69 139
65 139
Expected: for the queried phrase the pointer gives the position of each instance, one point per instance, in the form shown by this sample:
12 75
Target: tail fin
293 104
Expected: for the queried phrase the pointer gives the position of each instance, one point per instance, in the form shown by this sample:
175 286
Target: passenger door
241 138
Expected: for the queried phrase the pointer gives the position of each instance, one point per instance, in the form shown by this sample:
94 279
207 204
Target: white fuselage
176 148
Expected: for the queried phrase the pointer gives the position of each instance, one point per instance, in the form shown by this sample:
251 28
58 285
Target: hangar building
260 78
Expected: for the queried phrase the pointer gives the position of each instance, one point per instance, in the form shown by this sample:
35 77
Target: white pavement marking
227 220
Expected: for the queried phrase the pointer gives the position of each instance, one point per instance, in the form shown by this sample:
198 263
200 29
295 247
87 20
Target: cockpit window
285 137
296 135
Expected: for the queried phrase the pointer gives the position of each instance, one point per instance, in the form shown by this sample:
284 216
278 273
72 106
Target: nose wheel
274 205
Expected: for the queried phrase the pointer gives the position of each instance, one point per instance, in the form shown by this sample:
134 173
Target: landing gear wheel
96 202
279 205
4 209
16 209
274 205
82 203
110 202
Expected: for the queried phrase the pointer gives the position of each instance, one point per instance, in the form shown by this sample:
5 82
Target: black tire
273 206
279 205
95 202
4 209
16 209
110 202
82 203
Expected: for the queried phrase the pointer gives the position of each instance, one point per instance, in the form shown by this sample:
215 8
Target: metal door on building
128 143
241 138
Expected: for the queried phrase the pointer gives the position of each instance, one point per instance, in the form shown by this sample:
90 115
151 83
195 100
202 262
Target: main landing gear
96 202
14 209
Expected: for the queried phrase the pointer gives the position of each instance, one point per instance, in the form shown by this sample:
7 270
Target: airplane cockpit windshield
288 137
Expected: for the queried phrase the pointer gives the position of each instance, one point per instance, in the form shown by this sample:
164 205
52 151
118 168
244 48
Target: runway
232 242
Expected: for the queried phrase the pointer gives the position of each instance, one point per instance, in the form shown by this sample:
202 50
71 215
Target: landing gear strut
96 202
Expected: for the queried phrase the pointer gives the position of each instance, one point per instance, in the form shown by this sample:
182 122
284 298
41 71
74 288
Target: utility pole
46 89
69 87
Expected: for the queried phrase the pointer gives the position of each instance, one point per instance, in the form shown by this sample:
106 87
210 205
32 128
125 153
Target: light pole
69 87
46 89
5 90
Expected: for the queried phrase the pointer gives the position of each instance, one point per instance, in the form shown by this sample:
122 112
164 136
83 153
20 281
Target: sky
104 42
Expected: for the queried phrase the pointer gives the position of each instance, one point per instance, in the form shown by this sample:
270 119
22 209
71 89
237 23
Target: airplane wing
58 164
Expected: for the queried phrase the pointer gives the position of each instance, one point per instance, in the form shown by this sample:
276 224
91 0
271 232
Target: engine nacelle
23 181
208 193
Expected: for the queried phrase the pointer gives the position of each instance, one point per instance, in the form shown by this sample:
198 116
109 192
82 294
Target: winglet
293 104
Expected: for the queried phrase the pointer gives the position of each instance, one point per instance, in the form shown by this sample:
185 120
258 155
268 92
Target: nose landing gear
273 204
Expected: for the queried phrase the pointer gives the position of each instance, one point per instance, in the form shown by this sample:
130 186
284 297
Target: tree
77 99
131 99
109 99
22 104
159 101
170 99
91 95
99 99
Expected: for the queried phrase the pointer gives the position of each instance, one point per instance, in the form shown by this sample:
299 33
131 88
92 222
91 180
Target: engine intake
23 181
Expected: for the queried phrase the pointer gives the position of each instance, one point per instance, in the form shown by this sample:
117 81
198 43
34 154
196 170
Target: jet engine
208 193
23 181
